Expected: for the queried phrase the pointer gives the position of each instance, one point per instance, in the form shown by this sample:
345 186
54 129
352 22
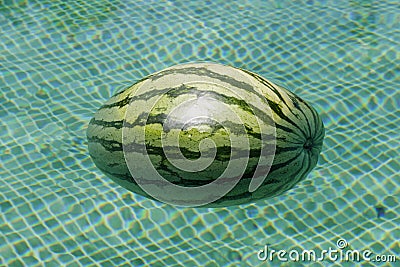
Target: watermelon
205 135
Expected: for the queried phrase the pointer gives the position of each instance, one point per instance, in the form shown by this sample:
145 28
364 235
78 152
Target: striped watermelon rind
217 107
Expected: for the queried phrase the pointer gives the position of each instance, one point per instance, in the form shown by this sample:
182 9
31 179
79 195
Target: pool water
60 61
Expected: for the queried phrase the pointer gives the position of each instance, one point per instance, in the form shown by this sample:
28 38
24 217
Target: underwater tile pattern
60 61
